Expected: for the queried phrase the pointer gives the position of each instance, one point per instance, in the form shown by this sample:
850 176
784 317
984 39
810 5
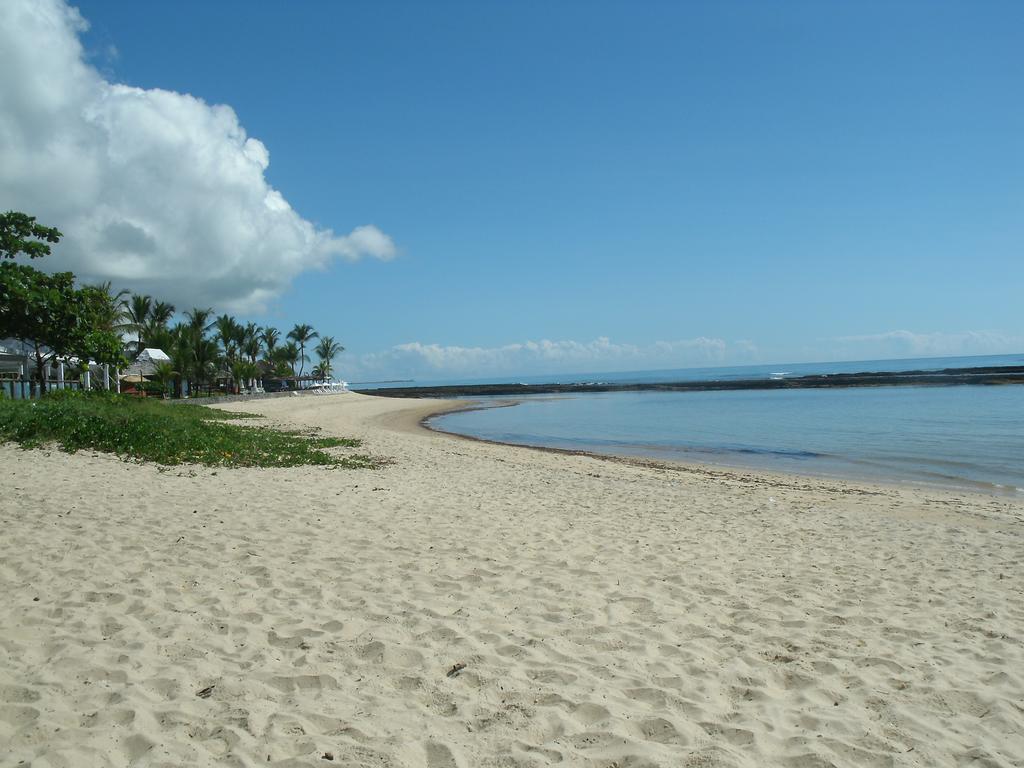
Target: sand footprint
13 717
660 730
589 713
17 694
440 755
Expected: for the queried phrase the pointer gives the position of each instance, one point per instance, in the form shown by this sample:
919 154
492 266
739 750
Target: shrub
150 430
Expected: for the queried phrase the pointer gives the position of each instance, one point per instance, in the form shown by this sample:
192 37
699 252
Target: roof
152 354
147 361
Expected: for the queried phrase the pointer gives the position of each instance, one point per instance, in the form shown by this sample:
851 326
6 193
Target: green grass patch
210 414
150 430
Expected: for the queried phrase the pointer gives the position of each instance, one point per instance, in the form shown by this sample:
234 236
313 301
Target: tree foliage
302 334
327 350
53 317
19 233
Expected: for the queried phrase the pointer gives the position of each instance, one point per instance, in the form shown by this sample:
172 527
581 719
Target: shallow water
964 436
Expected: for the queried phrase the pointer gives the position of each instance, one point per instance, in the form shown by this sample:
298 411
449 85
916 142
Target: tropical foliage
327 350
53 317
302 335
19 233
145 430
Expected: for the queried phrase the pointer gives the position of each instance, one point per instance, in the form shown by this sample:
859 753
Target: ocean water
773 370
962 436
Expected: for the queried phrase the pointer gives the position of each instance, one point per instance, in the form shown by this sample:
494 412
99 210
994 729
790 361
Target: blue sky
743 181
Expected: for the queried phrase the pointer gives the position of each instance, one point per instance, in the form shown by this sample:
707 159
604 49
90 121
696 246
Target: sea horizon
713 372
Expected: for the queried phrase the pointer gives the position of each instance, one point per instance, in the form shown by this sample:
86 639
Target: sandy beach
472 604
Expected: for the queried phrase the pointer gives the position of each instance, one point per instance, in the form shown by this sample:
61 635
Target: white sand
608 614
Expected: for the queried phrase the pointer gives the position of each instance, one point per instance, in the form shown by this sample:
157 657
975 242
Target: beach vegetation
163 376
52 317
270 336
19 233
326 351
137 311
302 334
148 430
55 319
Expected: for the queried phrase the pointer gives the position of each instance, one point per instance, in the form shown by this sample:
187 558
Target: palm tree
182 352
242 371
227 335
160 314
301 335
251 343
163 374
137 309
199 320
114 308
113 315
157 336
270 337
288 355
204 358
327 350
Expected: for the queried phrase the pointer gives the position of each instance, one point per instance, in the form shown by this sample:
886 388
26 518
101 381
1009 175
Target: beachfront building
13 364
145 365
19 377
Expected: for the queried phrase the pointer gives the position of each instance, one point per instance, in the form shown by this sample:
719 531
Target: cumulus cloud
911 344
154 190
419 360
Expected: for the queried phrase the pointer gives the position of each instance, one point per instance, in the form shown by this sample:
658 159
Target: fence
26 389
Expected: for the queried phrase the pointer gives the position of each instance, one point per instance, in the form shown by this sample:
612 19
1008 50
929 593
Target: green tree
99 336
137 309
182 352
205 356
227 331
39 311
270 337
163 375
327 350
199 320
49 315
302 335
285 359
19 233
242 372
252 342
160 314
114 317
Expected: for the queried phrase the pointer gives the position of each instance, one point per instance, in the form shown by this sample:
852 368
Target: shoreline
476 604
726 470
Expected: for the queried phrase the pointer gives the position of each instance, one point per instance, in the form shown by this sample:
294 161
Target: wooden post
60 375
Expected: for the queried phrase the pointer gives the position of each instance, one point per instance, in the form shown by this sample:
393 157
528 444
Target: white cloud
419 360
911 344
155 190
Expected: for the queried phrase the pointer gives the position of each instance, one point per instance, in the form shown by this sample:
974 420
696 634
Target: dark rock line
946 377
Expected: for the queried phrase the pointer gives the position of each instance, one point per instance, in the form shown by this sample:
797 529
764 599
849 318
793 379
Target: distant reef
946 377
